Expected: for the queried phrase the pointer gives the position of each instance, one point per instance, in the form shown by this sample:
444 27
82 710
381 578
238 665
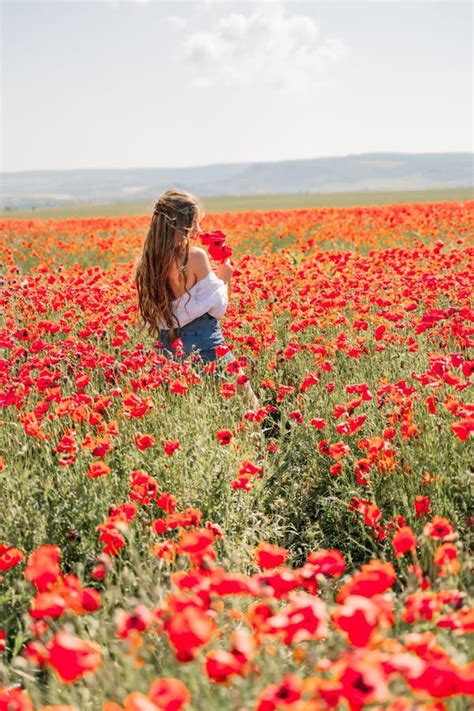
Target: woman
179 294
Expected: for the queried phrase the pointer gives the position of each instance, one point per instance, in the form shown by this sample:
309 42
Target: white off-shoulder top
208 295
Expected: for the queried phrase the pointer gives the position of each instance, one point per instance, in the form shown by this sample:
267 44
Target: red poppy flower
42 568
215 242
101 447
327 562
188 631
439 528
224 436
167 502
9 556
179 386
100 567
143 488
303 618
404 541
373 578
222 350
270 556
171 445
97 469
72 657
169 694
111 537
137 621
220 665
165 550
198 541
358 617
318 423
422 505
15 699
248 467
47 604
67 444
446 558
143 441
463 428
278 696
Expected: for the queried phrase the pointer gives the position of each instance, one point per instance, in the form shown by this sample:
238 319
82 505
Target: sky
154 83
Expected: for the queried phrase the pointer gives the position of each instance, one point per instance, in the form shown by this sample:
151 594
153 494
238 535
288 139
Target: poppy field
163 547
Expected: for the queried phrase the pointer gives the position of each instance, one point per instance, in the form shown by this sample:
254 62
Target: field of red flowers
158 550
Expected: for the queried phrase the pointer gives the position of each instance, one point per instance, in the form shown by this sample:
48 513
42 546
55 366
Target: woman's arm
224 271
201 266
212 295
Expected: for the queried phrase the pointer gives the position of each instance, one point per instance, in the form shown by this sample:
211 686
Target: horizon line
231 163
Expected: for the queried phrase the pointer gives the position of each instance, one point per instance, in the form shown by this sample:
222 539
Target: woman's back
206 290
173 280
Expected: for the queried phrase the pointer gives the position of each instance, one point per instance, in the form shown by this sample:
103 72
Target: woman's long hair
175 214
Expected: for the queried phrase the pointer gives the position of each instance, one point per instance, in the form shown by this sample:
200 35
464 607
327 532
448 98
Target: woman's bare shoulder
197 252
199 262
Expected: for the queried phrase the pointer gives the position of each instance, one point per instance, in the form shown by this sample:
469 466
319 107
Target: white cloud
267 47
177 21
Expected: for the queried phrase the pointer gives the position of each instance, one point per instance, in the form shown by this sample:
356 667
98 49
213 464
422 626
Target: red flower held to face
215 243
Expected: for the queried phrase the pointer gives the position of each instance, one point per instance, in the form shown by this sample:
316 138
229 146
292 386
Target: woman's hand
224 271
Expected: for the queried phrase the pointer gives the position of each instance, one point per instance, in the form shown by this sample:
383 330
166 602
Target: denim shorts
200 338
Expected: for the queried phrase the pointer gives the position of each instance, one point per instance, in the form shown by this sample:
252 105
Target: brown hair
174 216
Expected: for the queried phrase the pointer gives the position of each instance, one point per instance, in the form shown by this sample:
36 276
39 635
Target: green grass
238 203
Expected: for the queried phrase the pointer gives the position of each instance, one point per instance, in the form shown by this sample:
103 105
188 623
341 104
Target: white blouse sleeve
208 295
211 296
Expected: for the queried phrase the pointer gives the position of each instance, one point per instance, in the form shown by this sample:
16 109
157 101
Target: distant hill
364 172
